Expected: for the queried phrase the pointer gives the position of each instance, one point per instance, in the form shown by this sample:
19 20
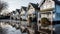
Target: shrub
45 21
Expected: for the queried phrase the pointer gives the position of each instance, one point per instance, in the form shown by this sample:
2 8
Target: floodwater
8 29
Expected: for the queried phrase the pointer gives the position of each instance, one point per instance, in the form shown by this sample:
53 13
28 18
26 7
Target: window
58 15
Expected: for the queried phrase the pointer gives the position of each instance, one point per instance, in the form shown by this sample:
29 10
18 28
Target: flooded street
8 29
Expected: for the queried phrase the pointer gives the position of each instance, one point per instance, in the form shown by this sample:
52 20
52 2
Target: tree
3 5
45 21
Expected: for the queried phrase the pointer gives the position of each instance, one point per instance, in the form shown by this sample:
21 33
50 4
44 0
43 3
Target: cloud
13 4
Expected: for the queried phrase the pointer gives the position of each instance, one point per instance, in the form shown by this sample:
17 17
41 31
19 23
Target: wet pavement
8 29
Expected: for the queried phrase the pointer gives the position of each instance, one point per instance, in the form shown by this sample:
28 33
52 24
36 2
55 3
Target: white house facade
33 9
23 13
46 8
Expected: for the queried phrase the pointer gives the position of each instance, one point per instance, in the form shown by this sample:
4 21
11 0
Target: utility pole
52 22
38 21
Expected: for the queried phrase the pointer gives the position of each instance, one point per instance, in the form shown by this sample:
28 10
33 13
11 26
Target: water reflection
8 29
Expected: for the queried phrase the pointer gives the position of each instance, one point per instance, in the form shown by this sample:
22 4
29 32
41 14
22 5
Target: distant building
2 17
15 14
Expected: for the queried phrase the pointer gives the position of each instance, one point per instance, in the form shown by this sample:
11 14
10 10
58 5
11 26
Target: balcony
47 10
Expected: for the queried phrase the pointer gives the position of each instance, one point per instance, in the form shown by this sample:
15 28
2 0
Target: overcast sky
13 4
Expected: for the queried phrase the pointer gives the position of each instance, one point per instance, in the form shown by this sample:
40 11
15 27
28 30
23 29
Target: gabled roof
24 8
18 10
35 6
43 1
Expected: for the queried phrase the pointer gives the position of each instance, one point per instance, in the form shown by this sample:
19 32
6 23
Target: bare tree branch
3 5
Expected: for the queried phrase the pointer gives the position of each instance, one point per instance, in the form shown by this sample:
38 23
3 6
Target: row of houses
25 11
44 9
